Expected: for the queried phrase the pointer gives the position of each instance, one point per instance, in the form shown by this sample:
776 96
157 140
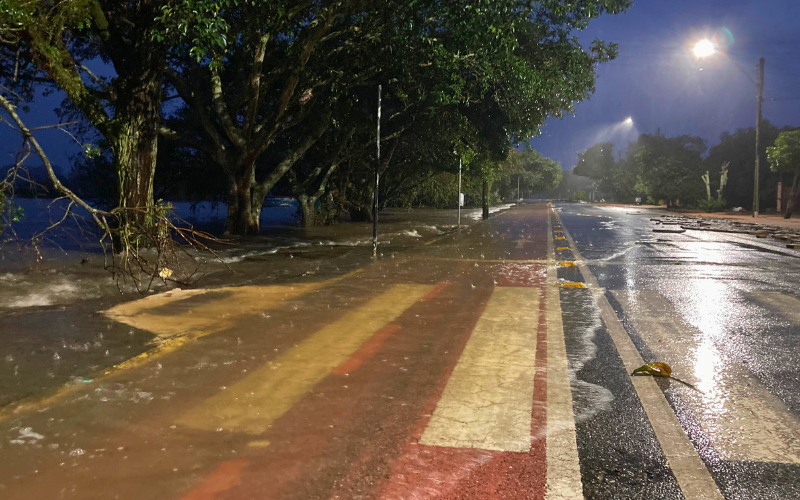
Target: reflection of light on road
707 307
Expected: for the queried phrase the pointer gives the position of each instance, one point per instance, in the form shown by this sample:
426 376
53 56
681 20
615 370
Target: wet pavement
490 362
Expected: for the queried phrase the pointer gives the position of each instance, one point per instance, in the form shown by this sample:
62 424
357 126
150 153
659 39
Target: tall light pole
377 182
760 86
459 191
705 48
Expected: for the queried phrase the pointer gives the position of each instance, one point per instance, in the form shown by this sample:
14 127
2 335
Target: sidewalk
744 217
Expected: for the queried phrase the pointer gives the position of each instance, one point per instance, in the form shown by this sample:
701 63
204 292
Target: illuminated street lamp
705 48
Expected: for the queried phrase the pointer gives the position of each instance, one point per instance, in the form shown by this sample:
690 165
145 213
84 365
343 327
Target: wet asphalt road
724 311
451 370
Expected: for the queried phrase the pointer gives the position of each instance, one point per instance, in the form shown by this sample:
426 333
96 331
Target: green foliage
655 166
579 196
739 148
712 205
784 156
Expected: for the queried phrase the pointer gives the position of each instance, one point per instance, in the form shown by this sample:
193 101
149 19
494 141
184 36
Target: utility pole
377 183
518 198
758 130
459 191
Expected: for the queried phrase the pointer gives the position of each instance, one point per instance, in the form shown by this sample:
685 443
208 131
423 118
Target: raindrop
56 357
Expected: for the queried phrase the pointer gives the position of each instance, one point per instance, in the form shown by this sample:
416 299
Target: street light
705 48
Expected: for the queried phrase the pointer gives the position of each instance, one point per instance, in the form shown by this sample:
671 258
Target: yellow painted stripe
488 399
209 316
562 248
565 263
573 284
559 238
253 403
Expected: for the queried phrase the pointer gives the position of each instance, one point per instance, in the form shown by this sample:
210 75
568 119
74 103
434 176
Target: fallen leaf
658 369
655 369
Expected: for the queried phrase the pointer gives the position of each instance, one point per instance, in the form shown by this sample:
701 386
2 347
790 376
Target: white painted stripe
741 417
488 399
691 473
563 465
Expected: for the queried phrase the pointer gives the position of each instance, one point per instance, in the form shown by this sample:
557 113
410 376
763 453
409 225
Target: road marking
562 248
252 404
573 284
488 399
563 462
366 351
226 476
560 238
202 317
436 291
741 417
787 305
566 263
691 473
490 261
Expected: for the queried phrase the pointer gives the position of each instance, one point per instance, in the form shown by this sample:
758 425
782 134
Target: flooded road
491 362
721 309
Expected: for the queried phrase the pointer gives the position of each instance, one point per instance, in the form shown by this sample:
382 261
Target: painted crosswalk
253 403
488 399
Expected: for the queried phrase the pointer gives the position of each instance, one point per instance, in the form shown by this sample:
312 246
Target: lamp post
459 191
705 48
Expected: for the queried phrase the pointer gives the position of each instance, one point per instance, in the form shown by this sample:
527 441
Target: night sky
655 80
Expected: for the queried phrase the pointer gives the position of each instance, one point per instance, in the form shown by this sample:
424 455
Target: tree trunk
241 219
793 195
135 145
485 199
307 211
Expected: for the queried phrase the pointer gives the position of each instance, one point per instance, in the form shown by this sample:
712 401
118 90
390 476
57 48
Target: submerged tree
286 67
56 43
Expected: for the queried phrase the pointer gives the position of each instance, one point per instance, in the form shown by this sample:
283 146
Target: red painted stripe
433 293
428 472
366 351
223 478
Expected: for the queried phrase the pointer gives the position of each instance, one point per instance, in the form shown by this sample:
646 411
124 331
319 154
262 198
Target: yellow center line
252 404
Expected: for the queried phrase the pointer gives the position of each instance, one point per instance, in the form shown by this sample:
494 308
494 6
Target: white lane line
563 463
488 400
691 473
741 417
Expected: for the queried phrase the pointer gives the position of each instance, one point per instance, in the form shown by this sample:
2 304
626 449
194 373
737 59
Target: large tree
287 66
784 156
739 148
55 43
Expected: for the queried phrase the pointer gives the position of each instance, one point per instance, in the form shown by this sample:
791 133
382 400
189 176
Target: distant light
703 48
629 121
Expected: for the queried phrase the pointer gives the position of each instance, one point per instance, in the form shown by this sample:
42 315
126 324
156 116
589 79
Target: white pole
377 183
459 192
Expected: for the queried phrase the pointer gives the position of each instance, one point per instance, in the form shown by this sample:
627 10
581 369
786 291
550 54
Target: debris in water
658 369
